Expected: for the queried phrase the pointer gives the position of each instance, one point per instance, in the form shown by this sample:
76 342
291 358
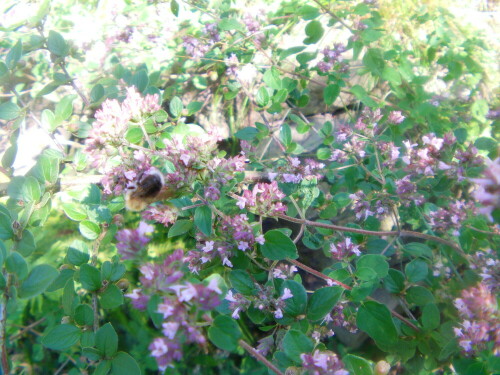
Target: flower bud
382 368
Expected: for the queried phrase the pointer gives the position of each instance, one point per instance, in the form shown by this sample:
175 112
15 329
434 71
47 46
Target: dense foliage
309 188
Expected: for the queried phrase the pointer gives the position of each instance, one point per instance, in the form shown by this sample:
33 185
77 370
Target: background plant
336 211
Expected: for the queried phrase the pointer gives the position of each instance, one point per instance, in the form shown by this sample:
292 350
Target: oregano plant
309 188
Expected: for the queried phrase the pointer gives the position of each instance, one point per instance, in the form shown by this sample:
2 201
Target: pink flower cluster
480 320
344 249
452 217
180 306
132 241
332 56
323 363
235 233
264 301
487 191
113 120
264 199
337 318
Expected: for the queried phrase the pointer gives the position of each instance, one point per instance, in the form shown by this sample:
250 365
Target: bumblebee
149 187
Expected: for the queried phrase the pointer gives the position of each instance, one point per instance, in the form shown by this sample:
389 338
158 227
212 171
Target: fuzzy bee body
145 190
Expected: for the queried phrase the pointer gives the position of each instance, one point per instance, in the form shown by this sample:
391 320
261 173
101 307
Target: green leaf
262 97
37 281
203 219
278 246
286 135
48 88
228 24
176 107
140 80
61 337
272 79
307 12
112 271
89 229
84 315
74 211
323 153
295 343
134 135
16 264
78 253
106 340
394 282
124 364
242 282
314 31
247 134
430 317
6 232
174 8
225 333
64 109
375 319
322 302
331 93
69 297
27 244
90 277
56 44
47 169
49 120
479 109
374 262
391 75
103 367
9 111
361 94
419 296
485 143
9 156
357 365
97 93
416 270
30 190
194 107
374 61
112 297
291 51
297 304
304 57
417 249
179 228
61 280
14 55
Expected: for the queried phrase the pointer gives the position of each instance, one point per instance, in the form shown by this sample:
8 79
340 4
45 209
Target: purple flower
132 241
344 249
395 117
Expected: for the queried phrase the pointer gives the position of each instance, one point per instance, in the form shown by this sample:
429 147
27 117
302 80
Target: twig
254 353
27 328
347 287
73 84
403 233
338 19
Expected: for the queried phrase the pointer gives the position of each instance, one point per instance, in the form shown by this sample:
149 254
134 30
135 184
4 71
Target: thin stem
403 233
3 327
26 329
258 356
331 14
347 287
93 262
73 84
